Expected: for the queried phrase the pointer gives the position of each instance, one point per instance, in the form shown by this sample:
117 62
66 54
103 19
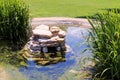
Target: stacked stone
45 37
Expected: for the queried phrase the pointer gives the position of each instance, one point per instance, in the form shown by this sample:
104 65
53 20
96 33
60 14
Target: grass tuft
14 22
105 41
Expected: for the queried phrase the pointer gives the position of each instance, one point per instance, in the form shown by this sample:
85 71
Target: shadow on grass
91 16
115 10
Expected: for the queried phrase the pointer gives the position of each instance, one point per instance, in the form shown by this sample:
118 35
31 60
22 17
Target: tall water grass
105 41
14 21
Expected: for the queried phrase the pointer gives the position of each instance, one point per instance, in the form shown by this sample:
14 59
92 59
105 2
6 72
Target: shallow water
74 37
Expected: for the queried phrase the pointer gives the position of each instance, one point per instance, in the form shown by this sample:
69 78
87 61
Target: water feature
74 37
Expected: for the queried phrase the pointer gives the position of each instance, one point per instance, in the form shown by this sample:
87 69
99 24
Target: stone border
60 21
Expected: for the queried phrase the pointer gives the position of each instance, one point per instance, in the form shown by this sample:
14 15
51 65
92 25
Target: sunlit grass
69 8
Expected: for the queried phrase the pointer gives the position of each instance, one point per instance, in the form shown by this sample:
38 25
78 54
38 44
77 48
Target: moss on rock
42 58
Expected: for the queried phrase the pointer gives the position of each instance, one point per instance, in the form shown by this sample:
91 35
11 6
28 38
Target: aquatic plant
14 18
105 43
7 56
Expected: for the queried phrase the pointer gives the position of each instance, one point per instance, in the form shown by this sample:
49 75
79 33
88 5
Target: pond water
74 38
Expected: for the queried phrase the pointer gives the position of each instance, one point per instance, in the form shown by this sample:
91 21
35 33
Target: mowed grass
69 8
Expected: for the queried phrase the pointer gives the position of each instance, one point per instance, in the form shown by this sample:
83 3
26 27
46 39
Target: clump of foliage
105 41
7 56
14 21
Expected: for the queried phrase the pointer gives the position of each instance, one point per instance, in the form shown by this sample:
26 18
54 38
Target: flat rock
42 27
42 33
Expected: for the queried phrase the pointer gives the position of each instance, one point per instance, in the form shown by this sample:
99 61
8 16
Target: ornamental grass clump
105 43
14 21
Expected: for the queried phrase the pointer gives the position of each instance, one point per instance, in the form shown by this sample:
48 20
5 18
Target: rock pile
46 46
45 37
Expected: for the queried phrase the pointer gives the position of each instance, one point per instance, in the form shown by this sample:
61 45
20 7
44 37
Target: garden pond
76 51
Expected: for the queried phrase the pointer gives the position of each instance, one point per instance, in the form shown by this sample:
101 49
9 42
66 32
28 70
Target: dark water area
75 40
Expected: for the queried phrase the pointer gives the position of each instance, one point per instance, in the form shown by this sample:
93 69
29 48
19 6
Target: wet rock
46 46
43 58
43 62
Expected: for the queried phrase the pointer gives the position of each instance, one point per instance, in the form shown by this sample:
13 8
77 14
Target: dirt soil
3 74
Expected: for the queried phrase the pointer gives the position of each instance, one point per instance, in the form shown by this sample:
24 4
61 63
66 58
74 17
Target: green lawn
69 8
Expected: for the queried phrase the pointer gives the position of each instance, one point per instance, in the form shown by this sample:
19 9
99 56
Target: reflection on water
74 36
